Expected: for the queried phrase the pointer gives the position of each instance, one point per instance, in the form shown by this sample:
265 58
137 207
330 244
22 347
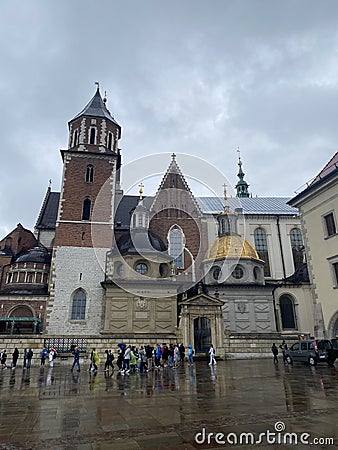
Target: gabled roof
96 108
49 210
203 300
180 183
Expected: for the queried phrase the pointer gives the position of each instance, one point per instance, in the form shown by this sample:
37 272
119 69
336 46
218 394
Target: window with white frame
330 224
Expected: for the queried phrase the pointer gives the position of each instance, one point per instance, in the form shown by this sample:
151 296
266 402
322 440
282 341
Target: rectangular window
330 224
335 273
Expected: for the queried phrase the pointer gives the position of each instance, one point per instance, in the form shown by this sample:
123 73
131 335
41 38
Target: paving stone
53 409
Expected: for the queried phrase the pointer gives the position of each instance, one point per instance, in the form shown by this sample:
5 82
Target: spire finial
105 97
97 84
242 185
141 186
173 156
226 206
50 184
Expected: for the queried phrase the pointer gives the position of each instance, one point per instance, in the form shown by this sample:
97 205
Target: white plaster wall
68 264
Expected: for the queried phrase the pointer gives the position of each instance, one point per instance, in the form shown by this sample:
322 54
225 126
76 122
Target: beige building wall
322 252
304 305
315 203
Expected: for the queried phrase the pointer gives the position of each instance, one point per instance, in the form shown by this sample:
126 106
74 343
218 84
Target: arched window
110 140
216 273
287 310
86 209
176 245
225 226
297 247
79 305
75 136
89 174
92 136
261 245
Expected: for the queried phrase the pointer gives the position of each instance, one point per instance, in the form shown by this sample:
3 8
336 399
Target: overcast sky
195 77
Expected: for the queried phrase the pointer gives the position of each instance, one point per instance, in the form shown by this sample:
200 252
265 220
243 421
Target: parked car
311 352
335 346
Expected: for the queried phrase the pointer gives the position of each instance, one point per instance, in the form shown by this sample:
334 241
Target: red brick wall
75 190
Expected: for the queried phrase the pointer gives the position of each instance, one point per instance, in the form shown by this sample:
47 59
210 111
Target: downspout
281 247
274 307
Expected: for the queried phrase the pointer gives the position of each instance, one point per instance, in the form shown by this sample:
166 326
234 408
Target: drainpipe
281 247
274 307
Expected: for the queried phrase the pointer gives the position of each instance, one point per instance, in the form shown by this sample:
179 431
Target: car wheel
288 359
312 361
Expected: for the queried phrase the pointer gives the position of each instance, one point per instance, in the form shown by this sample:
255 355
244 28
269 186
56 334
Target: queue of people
28 354
129 358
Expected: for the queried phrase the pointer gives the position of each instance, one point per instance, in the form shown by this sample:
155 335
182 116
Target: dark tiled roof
96 108
49 211
124 208
327 174
330 167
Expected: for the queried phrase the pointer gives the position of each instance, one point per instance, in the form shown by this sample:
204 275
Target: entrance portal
202 334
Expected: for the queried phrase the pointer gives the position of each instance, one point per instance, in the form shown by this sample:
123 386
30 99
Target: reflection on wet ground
55 409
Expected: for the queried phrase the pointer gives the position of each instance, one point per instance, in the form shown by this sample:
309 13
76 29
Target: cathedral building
142 269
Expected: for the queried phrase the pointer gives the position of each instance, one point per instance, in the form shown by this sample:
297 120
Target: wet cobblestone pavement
55 409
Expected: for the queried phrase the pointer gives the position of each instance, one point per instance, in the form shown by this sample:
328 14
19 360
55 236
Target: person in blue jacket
190 355
76 361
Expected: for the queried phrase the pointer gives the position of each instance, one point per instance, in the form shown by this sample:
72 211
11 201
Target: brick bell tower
84 227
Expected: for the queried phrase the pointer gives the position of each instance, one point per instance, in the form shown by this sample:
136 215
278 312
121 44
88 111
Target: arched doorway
287 311
202 334
22 327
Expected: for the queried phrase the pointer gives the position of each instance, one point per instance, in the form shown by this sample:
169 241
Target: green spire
242 186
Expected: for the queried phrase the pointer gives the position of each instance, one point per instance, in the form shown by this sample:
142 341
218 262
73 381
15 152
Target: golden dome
230 246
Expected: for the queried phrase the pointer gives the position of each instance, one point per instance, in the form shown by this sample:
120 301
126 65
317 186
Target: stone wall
76 268
251 345
237 346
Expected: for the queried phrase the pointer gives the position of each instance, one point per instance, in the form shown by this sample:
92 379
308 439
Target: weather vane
226 206
141 186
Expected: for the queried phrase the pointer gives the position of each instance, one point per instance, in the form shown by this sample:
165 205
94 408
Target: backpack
54 356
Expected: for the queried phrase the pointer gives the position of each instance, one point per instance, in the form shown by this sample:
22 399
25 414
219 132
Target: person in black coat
15 355
274 350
